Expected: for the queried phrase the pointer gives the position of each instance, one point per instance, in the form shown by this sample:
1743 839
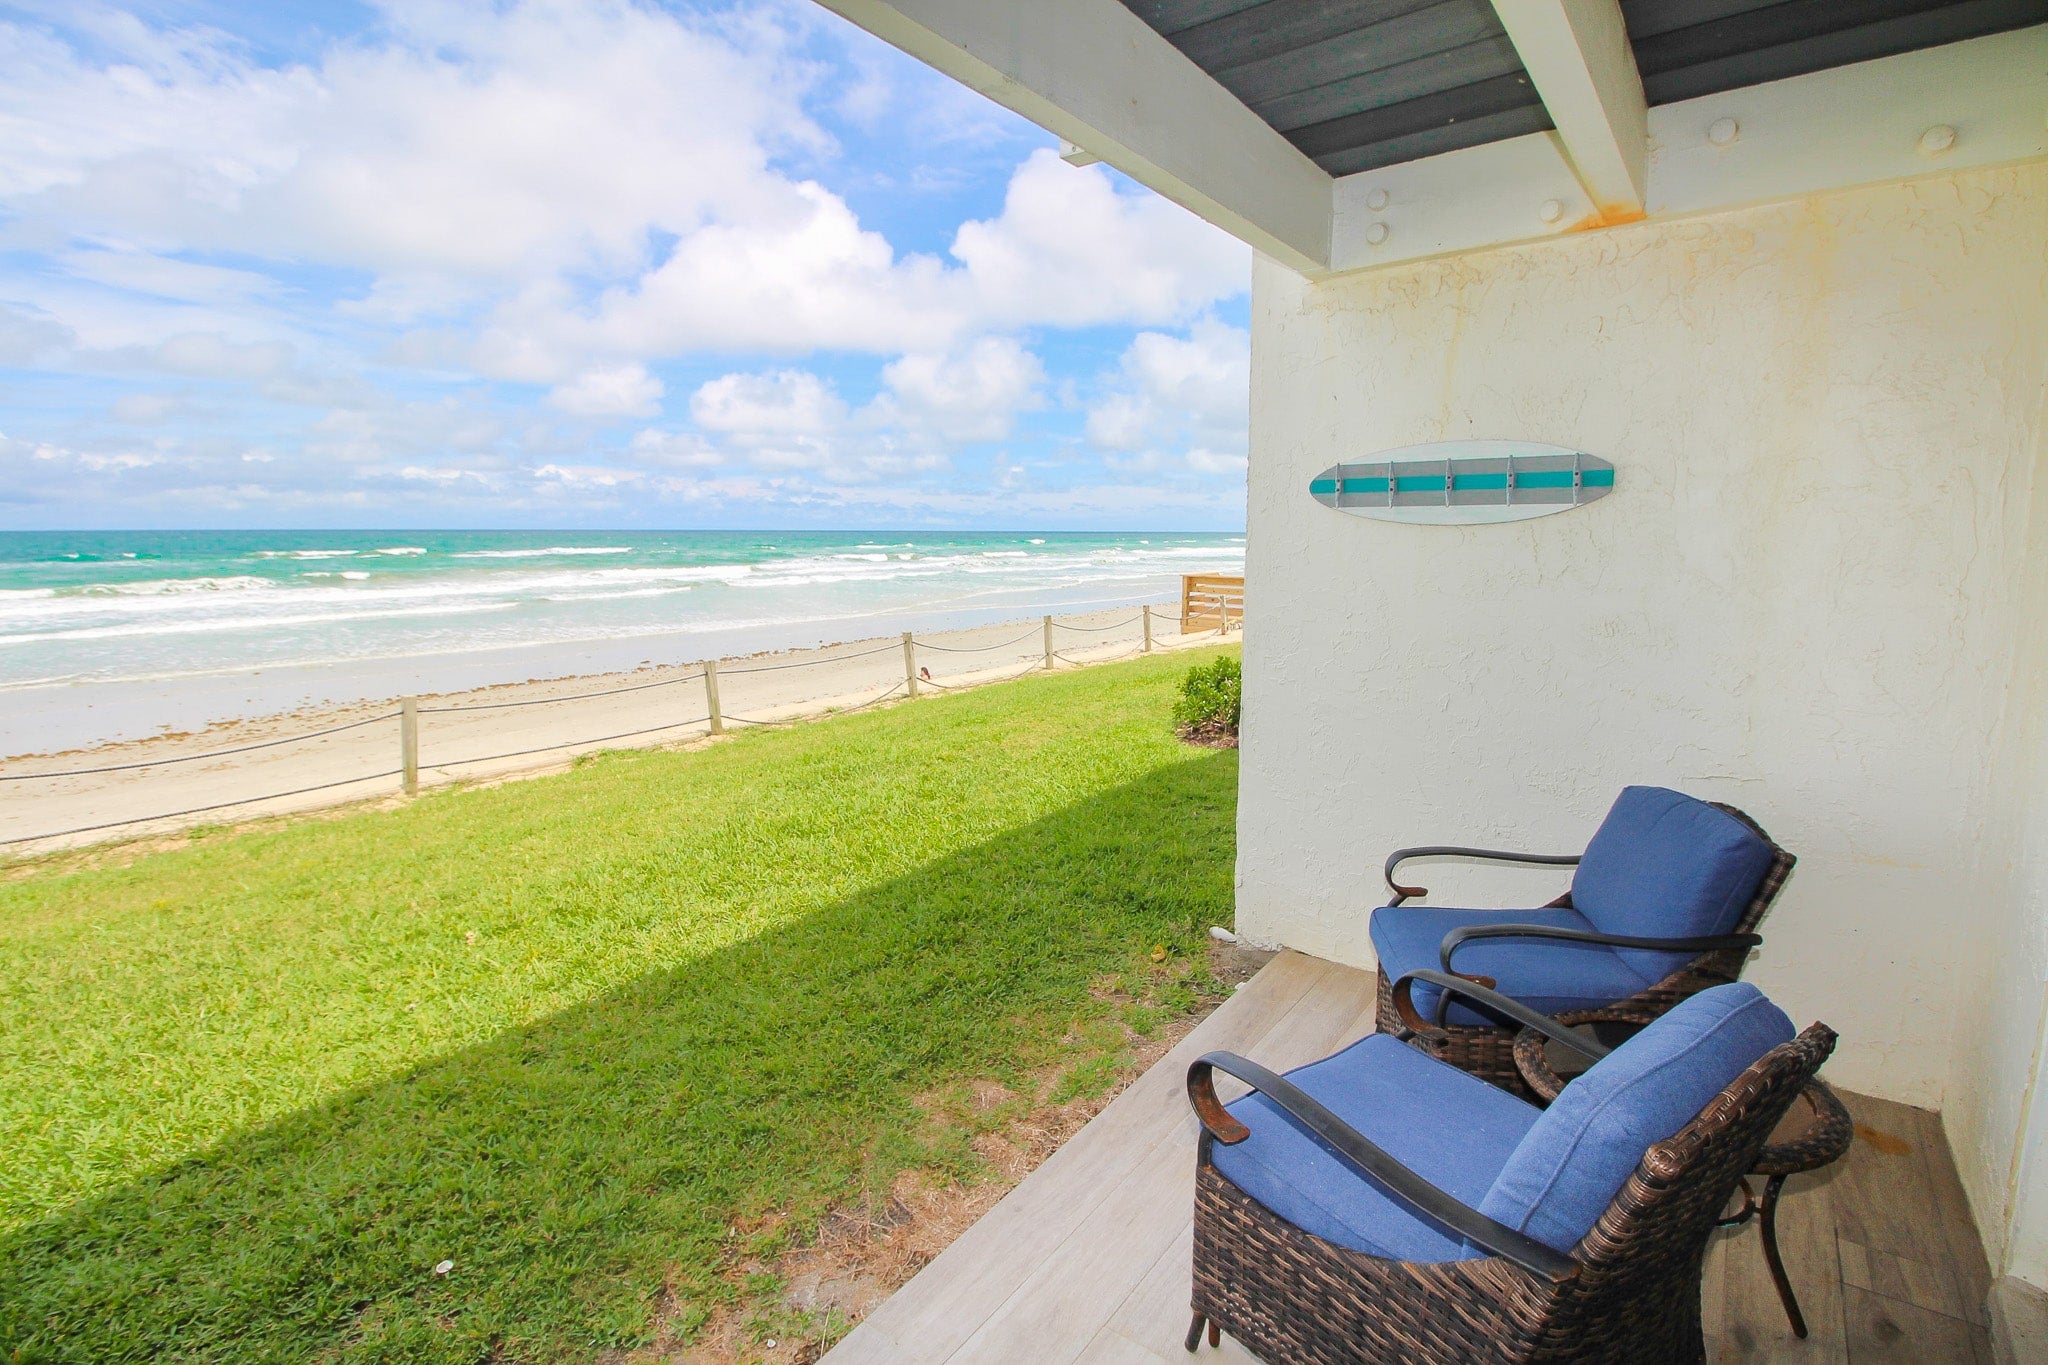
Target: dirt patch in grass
1210 734
791 1308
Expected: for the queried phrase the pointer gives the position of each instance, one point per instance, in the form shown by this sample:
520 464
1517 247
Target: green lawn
570 1033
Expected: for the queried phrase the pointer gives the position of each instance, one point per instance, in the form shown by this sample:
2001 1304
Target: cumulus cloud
476 142
974 395
612 391
474 247
793 403
1070 250
930 406
1179 400
493 157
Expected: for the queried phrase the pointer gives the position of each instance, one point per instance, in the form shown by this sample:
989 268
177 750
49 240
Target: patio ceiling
1338 135
1359 84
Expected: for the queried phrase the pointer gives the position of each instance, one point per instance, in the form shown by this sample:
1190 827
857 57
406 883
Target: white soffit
1097 76
1854 125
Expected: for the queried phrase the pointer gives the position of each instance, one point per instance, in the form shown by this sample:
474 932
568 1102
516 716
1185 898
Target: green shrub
1211 698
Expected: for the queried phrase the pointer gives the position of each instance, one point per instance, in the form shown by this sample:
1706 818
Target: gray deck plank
947 1302
1087 1259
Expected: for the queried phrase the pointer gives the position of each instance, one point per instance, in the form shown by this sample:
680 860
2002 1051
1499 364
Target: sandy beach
510 729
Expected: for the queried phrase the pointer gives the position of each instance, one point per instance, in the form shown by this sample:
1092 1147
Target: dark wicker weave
1821 1140
1489 1053
1631 1295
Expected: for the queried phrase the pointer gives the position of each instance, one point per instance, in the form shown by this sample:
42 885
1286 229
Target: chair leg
1769 1223
1215 1334
1195 1333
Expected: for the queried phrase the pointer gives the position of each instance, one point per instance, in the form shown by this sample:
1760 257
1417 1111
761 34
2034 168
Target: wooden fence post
1148 630
910 665
717 716
1048 644
409 745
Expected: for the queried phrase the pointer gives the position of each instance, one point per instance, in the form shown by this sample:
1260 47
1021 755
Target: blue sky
580 263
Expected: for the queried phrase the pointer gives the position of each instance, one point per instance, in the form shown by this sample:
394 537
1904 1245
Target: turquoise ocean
126 615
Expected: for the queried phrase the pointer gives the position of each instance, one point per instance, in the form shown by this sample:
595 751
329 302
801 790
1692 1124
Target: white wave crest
549 553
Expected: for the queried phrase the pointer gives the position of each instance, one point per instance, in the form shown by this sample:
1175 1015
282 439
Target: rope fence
195 758
914 678
202 810
549 701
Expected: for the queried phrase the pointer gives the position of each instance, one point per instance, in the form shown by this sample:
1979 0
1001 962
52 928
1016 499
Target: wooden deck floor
1087 1259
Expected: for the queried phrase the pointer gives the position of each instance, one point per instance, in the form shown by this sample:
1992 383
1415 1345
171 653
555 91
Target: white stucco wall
1996 1105
1804 596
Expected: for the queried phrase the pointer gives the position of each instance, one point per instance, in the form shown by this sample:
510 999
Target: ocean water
121 607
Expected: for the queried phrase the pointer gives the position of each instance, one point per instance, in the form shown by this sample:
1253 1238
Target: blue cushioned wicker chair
1664 903
1380 1205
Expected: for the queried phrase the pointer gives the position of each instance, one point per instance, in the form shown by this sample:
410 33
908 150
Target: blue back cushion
1573 1161
1663 865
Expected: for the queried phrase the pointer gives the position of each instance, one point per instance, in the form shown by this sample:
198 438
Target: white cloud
477 142
1181 400
598 176
674 449
563 194
972 396
784 403
930 405
789 419
586 476
1070 251
186 281
143 409
26 337
616 391
209 355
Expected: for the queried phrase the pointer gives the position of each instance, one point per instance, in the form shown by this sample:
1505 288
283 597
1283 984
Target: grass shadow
585 1173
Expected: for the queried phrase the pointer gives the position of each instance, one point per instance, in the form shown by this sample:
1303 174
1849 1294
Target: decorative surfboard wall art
1461 483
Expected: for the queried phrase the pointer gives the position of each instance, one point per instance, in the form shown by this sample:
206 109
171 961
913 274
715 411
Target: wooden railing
1211 601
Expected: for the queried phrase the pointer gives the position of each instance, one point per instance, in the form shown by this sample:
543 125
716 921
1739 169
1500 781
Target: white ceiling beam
1096 76
1578 55
1981 102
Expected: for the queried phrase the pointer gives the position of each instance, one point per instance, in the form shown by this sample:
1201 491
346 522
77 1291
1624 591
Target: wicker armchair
1816 1133
1506 1282
1665 902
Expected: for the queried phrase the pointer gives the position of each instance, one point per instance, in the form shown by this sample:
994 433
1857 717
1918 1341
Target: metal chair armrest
1705 944
1449 984
1367 1158
1399 856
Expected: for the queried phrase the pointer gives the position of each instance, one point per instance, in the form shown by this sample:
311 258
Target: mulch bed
1210 734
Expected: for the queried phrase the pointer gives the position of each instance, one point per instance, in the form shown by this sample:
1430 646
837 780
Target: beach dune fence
146 792
1211 601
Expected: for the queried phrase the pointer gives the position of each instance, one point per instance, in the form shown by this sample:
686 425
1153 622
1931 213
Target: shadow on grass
584 1174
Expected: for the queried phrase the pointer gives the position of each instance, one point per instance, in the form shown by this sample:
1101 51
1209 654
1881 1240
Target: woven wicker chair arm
1402 855
1506 1006
1705 944
1825 1140
1367 1158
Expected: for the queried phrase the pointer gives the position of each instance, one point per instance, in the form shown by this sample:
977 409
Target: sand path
508 730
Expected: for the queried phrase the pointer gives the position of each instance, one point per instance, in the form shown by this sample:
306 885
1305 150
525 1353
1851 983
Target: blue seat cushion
1547 975
1575 1157
1664 865
1451 1129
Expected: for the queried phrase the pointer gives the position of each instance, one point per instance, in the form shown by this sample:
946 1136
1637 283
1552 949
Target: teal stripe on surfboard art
1434 483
